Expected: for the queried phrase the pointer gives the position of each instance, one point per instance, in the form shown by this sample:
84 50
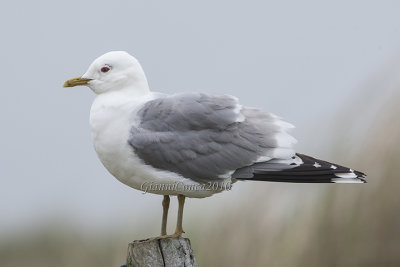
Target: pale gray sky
298 59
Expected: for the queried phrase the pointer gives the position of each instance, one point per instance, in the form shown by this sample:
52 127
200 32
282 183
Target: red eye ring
104 69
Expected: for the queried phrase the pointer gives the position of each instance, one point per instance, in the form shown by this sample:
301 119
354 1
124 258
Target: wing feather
203 137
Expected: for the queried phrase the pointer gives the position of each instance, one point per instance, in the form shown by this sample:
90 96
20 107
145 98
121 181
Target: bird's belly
110 133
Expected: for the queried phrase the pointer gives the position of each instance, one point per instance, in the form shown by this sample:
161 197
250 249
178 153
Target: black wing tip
362 178
312 170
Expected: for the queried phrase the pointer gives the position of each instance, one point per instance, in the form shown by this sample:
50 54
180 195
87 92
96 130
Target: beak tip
76 82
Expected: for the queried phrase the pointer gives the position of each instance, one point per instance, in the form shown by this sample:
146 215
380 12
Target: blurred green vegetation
275 225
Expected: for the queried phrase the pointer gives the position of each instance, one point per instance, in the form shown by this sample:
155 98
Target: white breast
111 117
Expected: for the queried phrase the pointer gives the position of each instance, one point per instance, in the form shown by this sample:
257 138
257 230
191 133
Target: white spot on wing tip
347 181
333 167
317 165
346 175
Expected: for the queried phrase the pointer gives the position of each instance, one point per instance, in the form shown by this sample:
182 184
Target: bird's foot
175 235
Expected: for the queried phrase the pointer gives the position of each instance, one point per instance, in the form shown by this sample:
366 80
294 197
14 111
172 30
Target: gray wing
205 137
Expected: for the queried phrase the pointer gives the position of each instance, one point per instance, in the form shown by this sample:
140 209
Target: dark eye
105 69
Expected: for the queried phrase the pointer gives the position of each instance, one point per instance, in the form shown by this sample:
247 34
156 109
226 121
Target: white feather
347 181
346 175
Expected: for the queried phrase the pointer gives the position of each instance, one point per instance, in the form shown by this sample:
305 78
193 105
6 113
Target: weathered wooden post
165 252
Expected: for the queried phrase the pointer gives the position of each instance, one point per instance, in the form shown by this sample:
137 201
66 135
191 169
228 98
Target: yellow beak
76 81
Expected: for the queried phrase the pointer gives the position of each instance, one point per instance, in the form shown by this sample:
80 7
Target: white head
116 70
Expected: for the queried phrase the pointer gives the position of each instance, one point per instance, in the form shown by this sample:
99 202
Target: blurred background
332 69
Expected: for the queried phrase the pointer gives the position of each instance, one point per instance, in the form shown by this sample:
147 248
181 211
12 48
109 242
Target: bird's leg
179 230
165 205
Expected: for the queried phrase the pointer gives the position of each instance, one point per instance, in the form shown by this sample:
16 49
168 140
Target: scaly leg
179 230
165 205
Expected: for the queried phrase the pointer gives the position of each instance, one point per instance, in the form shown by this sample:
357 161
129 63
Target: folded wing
205 137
